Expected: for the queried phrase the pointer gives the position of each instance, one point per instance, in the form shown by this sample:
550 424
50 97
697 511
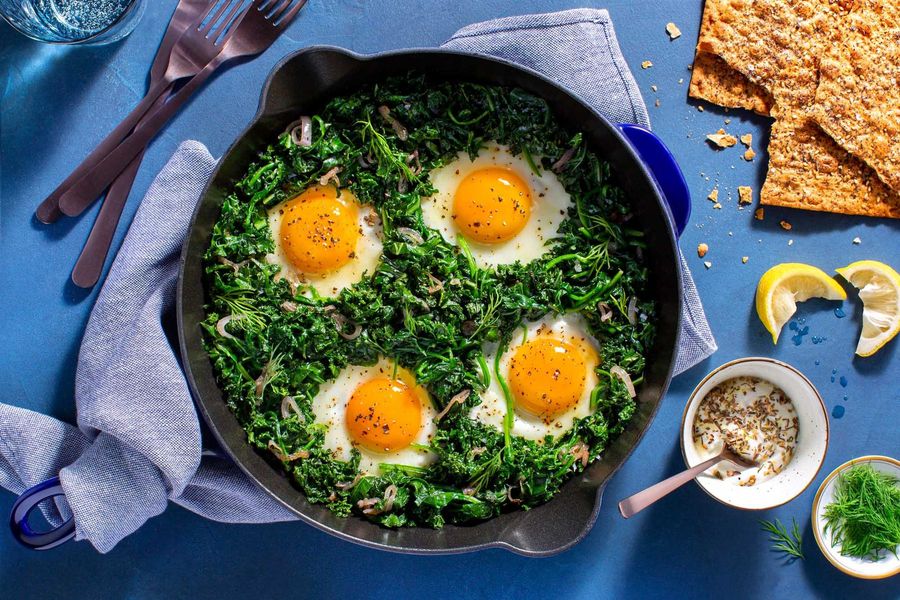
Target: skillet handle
664 169
18 519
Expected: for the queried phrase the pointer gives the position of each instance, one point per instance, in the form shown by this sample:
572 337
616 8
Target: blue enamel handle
18 520
664 169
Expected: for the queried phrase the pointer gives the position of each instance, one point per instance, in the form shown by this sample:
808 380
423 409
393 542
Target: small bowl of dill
856 517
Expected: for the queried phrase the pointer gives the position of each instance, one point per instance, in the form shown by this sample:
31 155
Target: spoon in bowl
634 504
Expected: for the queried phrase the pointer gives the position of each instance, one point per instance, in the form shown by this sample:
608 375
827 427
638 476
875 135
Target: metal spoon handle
634 504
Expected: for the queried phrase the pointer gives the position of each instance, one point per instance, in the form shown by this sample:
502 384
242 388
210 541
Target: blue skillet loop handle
18 520
664 169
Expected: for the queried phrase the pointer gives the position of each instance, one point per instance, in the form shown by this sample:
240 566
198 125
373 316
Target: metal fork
257 30
90 263
195 48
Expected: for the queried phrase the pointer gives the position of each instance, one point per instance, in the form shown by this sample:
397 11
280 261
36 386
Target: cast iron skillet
301 84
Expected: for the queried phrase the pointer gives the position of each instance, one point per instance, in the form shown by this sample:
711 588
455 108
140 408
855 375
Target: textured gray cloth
138 441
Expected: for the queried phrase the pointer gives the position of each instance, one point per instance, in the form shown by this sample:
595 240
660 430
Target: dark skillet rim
663 387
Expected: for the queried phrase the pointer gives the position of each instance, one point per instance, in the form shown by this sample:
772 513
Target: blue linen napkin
138 443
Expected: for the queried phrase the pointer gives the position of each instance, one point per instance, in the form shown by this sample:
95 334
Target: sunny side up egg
379 410
550 372
325 239
503 210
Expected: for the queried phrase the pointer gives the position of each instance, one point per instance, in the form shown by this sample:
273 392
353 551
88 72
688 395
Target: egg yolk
491 205
547 376
319 229
383 415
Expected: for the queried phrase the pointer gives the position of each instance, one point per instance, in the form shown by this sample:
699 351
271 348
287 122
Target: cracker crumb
653 87
700 107
749 155
760 214
728 121
646 64
673 31
747 139
702 249
656 104
857 241
707 264
745 194
786 226
744 259
790 242
714 195
722 139
717 205
680 81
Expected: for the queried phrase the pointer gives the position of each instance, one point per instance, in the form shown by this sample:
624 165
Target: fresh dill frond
790 544
864 515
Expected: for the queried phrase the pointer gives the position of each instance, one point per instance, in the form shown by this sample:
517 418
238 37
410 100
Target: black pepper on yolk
320 230
547 375
491 205
383 415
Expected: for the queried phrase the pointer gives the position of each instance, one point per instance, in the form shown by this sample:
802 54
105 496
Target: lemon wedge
879 289
783 286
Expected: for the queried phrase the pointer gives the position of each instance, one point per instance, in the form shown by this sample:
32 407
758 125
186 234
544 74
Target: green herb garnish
282 345
782 541
864 515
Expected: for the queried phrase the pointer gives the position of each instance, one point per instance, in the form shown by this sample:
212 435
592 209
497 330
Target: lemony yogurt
754 419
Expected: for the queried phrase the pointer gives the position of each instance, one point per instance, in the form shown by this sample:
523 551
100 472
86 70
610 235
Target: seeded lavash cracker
858 97
809 170
713 80
776 44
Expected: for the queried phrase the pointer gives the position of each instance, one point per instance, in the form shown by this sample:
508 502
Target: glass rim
85 40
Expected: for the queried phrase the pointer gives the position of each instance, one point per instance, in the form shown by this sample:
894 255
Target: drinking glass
73 21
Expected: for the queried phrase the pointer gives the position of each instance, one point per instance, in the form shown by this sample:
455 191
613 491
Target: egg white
368 254
330 405
549 206
570 328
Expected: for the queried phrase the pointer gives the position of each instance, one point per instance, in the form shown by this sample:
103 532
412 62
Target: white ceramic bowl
812 437
857 567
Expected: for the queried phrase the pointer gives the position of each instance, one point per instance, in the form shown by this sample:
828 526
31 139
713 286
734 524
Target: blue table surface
58 102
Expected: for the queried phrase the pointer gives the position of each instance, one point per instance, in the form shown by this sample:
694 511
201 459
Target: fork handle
634 504
92 184
50 210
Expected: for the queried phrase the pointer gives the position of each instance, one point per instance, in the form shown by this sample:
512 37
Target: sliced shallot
280 455
459 398
236 266
606 312
413 236
288 404
220 326
632 310
330 176
414 158
436 284
581 451
563 160
346 485
301 131
341 322
396 125
625 377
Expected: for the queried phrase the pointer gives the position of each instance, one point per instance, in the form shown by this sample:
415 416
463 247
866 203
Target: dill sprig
864 515
782 541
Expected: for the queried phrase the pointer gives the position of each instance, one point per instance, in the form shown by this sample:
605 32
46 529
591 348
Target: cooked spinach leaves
427 306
